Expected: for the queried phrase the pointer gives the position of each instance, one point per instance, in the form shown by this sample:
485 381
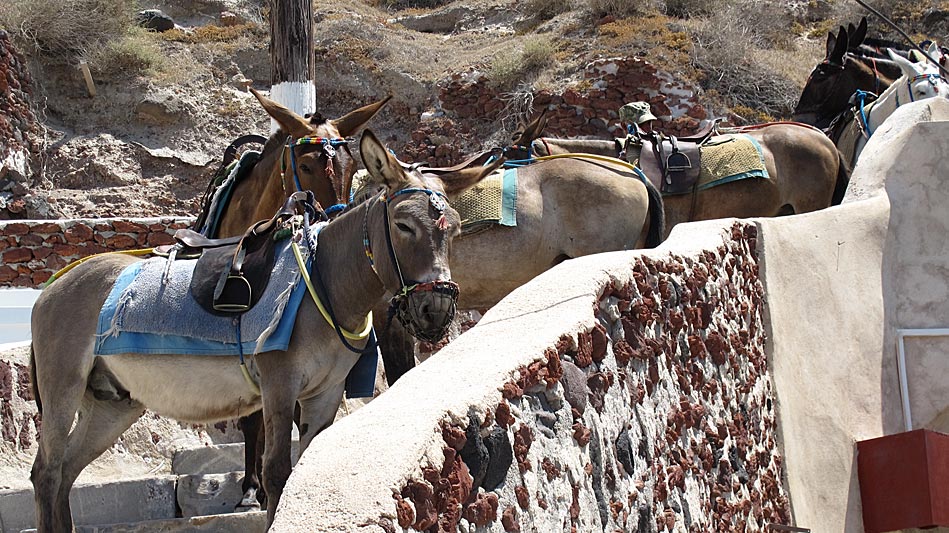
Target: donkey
406 231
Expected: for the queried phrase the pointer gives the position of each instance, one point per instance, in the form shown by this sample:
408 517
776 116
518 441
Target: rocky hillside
462 73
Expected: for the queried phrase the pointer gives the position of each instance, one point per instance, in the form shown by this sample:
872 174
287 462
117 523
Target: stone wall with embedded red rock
587 108
33 250
660 417
641 400
17 126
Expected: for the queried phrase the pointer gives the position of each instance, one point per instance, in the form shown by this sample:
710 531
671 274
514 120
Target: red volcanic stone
7 274
78 233
550 468
523 496
716 345
159 238
623 353
67 250
599 340
503 415
16 228
454 437
483 511
581 433
676 476
552 373
598 383
47 227
31 241
24 387
120 242
404 513
422 496
697 347
509 520
541 502
17 255
523 438
511 391
6 382
564 343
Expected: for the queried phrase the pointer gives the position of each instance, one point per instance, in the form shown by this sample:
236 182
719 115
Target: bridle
329 146
407 305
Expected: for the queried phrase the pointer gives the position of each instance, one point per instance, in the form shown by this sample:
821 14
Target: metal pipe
901 365
905 36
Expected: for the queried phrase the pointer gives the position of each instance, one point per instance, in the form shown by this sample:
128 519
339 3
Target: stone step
217 459
133 501
252 522
120 501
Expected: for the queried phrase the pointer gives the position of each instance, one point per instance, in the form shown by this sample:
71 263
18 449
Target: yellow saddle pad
730 157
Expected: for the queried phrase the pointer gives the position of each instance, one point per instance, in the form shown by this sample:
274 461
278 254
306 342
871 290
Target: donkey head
409 232
316 155
920 80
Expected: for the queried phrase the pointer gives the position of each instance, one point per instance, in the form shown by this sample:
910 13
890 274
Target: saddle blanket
727 158
145 313
491 201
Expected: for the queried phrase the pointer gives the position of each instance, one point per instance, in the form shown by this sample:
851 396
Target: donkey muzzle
426 310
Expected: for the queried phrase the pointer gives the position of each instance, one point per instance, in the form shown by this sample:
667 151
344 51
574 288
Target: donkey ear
290 122
457 182
909 68
836 56
858 34
382 166
532 130
349 124
831 44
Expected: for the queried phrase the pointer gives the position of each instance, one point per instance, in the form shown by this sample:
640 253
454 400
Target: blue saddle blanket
147 312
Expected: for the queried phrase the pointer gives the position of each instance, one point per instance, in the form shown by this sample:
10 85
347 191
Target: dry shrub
408 4
510 70
623 8
545 9
214 34
728 50
66 28
135 52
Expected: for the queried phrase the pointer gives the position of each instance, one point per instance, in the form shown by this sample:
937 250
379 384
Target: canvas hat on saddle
636 113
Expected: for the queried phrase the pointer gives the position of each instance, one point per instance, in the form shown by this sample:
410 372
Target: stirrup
238 290
678 162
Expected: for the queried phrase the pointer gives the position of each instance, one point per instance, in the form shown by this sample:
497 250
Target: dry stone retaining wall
33 250
587 108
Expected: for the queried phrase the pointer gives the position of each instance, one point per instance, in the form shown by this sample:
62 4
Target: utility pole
291 55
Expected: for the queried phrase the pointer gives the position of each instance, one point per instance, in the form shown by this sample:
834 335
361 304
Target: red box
904 480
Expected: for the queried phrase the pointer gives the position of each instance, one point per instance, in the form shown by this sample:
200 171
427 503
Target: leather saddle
675 163
231 274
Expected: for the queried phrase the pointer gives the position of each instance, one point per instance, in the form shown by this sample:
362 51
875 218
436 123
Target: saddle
231 273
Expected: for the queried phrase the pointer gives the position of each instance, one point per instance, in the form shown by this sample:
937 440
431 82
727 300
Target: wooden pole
87 75
291 54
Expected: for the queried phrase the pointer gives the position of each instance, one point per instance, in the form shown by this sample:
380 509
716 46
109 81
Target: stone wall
637 397
586 108
17 125
33 250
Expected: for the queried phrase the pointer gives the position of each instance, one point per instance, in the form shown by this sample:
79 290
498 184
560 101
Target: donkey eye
404 227
304 167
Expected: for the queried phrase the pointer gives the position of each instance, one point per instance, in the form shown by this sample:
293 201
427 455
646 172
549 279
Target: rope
77 262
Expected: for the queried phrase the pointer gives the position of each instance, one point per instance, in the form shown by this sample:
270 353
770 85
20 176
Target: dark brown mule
837 77
561 208
303 154
806 172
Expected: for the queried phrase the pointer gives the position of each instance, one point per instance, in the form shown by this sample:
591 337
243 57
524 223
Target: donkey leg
278 426
61 394
252 426
317 413
100 424
396 345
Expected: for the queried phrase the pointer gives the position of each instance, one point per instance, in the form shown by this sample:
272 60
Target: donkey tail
657 216
843 179
36 388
